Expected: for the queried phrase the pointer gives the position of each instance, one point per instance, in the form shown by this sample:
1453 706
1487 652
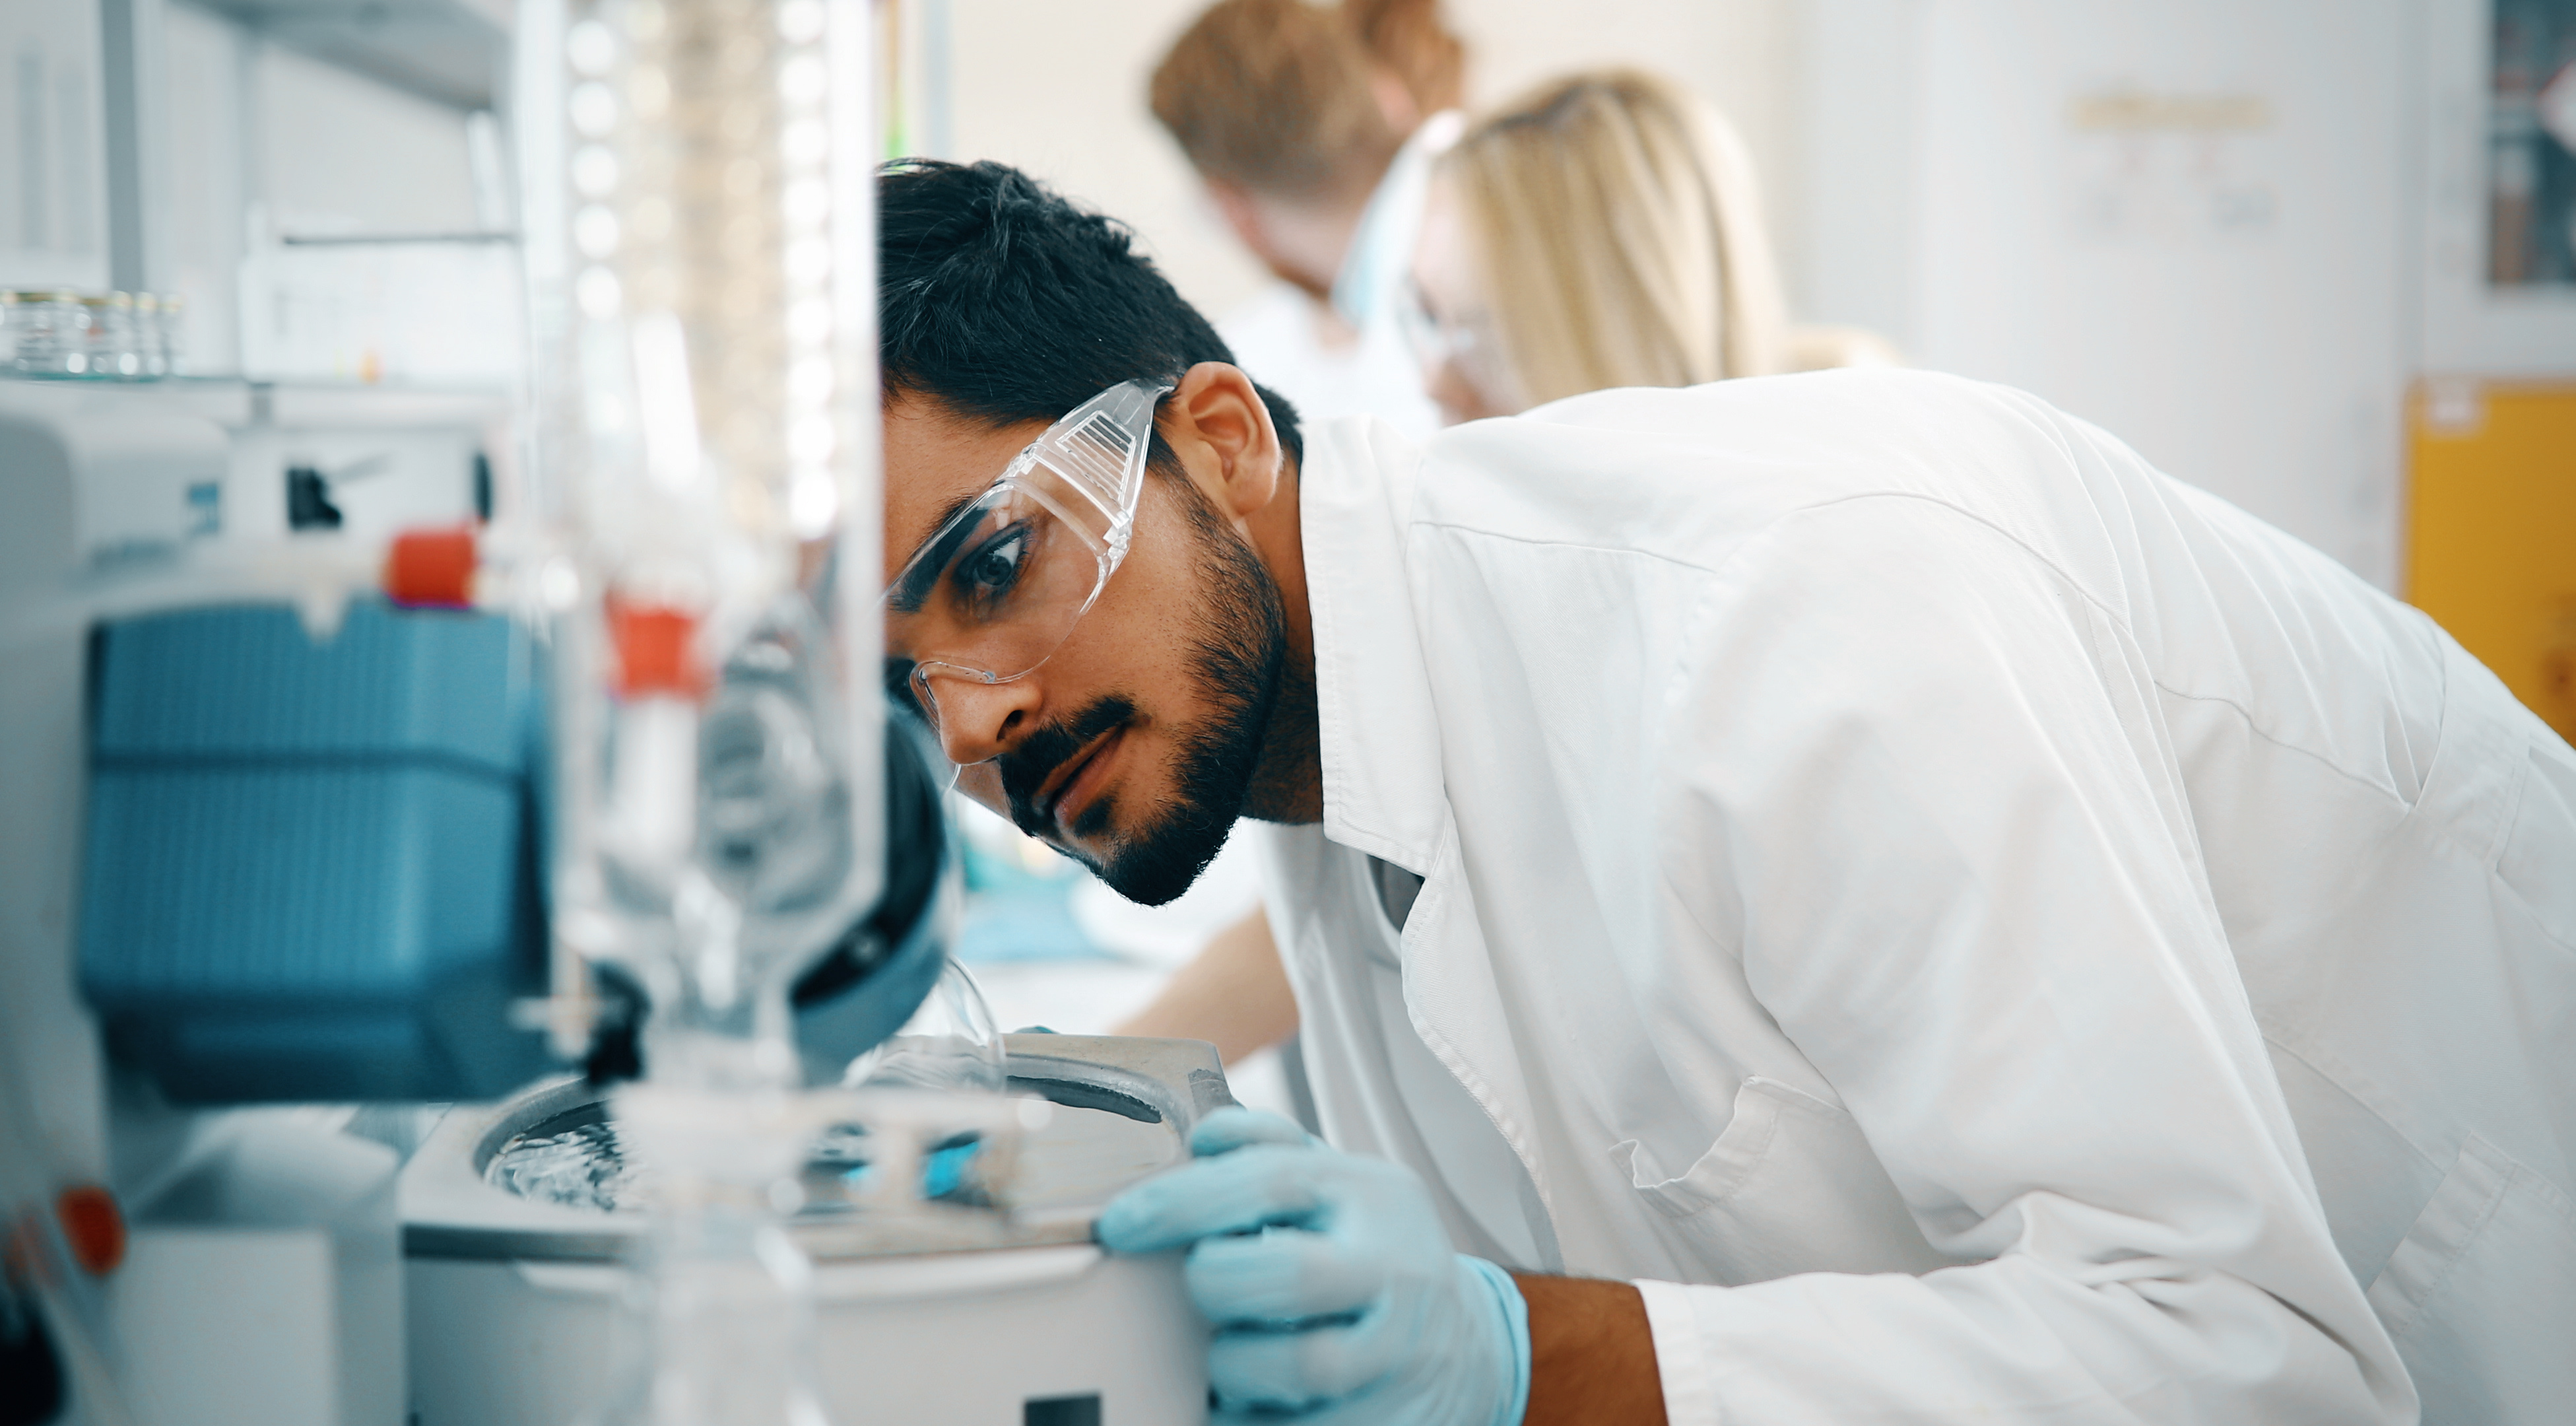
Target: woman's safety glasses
1466 342
996 589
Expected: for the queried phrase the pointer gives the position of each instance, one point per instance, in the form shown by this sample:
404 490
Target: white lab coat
1985 931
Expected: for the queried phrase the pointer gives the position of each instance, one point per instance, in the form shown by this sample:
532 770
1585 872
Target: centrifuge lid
1128 1107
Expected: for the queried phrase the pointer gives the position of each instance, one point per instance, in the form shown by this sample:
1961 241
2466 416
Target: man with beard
1848 897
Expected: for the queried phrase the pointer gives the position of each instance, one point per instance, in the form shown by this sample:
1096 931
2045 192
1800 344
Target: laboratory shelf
452 52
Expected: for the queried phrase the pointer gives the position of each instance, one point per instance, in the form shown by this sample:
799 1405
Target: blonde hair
1619 230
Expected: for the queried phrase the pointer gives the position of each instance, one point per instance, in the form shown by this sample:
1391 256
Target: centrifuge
521 1290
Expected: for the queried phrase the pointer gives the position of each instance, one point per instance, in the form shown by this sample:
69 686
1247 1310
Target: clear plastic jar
48 333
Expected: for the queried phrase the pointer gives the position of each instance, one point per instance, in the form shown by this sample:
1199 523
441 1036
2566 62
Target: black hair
1006 303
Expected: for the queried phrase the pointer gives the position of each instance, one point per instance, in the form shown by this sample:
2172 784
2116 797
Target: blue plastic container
312 869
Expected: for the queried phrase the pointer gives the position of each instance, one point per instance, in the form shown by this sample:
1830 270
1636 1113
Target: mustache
1026 768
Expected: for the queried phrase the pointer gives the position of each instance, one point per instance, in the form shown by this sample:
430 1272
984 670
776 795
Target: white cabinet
53 195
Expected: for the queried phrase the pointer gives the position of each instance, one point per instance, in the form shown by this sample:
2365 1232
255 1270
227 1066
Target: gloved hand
1331 1284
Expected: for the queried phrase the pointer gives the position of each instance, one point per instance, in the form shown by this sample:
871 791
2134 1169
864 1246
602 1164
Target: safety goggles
1465 342
997 588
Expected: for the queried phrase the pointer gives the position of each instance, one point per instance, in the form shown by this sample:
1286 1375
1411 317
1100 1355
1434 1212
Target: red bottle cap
656 650
93 1227
432 569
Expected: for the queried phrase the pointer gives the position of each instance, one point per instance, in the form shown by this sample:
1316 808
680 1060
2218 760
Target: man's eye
986 576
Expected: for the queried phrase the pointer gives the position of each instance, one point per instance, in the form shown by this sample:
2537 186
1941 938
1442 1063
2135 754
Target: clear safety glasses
997 588
1465 342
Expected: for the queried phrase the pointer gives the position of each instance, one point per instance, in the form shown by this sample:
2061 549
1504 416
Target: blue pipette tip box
311 869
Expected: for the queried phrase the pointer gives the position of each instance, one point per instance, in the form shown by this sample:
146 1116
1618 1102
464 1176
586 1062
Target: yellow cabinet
2492 530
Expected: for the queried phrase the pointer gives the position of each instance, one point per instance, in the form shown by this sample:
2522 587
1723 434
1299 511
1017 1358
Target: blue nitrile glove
1331 1284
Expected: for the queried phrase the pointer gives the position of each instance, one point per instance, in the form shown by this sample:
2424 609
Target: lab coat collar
1377 728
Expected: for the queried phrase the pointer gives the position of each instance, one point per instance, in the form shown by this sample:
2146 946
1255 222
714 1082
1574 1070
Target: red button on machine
432 569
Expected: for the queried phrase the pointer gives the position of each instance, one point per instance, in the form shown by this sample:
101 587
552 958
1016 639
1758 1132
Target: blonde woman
1605 230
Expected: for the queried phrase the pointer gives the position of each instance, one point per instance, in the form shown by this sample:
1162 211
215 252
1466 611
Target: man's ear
1218 415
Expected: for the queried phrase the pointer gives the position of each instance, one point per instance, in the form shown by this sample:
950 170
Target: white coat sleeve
1918 789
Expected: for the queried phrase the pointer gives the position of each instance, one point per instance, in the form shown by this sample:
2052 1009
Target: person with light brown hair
1604 230
1312 127
1407 39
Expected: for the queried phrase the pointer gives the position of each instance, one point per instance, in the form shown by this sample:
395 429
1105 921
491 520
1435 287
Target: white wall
1057 87
341 153
2232 301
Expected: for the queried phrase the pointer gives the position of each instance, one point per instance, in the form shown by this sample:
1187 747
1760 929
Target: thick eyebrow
912 586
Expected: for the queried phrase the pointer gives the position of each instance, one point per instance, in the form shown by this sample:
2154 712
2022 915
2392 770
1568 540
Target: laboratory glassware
49 332
701 263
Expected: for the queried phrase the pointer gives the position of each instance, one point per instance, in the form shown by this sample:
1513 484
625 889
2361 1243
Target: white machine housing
518 1311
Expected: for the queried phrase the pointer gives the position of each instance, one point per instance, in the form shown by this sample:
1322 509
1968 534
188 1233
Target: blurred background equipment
2491 508
330 660
2491 513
